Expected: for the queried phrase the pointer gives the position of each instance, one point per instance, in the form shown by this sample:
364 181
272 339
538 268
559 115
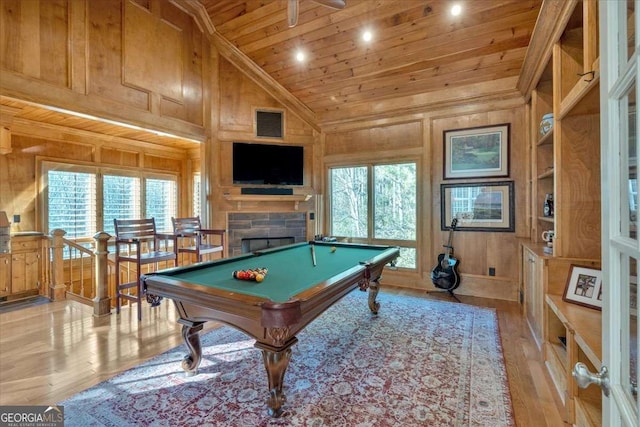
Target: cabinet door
533 294
5 275
25 271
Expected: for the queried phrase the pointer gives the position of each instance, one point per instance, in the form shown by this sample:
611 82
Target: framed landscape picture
479 152
478 206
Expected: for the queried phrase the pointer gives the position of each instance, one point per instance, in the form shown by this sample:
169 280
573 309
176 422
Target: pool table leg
191 334
276 361
374 287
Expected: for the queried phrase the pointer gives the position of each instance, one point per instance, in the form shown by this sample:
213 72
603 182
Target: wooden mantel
239 198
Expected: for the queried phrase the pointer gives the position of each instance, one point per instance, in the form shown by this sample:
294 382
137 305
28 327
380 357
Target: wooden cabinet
5 274
26 264
543 274
533 287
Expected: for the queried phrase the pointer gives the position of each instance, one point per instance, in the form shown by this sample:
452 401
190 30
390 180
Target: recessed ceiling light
456 9
300 56
367 36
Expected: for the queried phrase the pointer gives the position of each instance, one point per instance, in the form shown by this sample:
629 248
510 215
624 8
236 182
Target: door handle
584 378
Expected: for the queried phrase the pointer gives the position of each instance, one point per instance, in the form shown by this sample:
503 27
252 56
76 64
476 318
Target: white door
619 85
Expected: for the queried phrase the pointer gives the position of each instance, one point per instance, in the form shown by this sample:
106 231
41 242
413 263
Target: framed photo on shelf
584 287
479 152
478 206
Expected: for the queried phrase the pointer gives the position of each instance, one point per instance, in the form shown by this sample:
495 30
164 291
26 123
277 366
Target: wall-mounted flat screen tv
269 164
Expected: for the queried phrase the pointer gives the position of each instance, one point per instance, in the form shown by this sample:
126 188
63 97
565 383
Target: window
83 200
377 204
349 202
121 199
161 202
72 203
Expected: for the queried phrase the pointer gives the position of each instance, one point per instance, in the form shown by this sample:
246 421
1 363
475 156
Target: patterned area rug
419 362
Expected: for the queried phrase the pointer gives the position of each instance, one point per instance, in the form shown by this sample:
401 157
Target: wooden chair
137 242
191 238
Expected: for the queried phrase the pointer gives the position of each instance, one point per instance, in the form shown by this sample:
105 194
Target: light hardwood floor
52 351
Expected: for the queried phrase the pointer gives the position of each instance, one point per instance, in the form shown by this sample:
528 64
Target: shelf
584 98
547 139
586 323
547 174
548 219
560 352
295 198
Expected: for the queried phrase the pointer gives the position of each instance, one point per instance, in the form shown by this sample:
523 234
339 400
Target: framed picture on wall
478 206
584 287
479 152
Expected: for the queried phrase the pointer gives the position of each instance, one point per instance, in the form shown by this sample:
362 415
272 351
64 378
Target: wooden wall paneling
163 163
241 96
400 136
18 195
478 251
54 42
194 67
225 164
78 45
35 39
119 157
51 46
106 53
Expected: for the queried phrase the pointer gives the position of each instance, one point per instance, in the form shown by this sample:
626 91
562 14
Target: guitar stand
447 291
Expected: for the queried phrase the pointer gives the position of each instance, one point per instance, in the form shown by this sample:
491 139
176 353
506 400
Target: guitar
445 274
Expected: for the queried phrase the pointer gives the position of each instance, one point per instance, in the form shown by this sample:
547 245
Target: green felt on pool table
291 270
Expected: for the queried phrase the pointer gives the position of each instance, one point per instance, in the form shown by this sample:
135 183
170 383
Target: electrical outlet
492 271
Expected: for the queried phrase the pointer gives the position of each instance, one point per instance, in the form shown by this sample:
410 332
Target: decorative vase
546 124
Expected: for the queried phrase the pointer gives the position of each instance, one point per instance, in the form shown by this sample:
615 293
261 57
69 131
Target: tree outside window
387 201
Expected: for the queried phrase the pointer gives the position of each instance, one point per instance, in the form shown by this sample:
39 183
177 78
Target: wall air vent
269 124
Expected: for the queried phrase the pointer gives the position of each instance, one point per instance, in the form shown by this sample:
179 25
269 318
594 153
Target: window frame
370 239
44 165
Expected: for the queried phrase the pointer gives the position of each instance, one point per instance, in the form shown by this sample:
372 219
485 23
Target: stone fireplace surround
264 225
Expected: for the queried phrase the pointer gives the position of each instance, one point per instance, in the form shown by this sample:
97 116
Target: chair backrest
135 229
186 226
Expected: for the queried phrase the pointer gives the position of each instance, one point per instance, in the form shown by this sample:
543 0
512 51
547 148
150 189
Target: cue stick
313 254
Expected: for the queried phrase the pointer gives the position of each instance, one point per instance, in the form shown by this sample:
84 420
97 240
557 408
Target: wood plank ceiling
419 53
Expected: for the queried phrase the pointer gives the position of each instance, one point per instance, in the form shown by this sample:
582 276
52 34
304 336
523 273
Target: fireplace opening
252 244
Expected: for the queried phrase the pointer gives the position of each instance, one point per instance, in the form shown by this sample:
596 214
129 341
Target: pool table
302 281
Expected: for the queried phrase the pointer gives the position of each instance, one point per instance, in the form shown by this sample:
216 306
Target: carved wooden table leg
374 287
276 361
191 335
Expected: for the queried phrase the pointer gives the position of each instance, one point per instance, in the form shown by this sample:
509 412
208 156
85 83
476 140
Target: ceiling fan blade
334 4
292 12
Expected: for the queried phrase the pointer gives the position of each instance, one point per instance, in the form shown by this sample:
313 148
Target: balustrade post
57 288
102 302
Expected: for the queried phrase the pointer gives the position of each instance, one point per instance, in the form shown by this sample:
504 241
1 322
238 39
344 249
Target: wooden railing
80 273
